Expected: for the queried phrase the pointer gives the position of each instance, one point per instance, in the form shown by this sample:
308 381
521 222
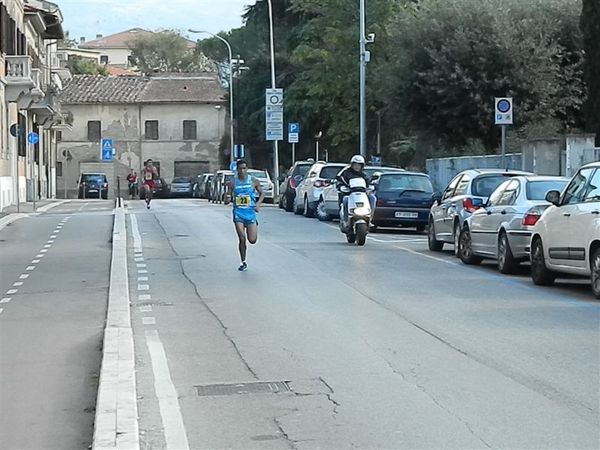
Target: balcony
19 81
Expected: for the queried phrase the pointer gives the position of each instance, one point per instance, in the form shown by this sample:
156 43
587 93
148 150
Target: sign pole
293 153
504 147
317 151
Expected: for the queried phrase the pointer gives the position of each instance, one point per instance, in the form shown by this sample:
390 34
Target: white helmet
357 159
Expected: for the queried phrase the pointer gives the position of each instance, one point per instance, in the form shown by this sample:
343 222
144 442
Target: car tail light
105 185
321 183
531 217
379 202
469 206
293 183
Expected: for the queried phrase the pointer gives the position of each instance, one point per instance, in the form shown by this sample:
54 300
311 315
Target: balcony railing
18 68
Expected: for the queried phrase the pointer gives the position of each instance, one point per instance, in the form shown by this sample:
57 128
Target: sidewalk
12 213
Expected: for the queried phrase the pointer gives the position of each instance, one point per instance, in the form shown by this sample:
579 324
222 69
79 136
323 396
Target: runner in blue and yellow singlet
242 192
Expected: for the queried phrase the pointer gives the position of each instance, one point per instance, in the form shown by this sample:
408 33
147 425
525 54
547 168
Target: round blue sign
233 166
33 138
503 106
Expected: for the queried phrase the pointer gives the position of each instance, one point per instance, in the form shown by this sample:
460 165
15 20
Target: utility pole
274 86
363 70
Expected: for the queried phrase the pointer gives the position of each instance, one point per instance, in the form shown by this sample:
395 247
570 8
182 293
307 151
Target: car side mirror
553 197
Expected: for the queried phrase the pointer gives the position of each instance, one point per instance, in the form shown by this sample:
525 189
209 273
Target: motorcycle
356 227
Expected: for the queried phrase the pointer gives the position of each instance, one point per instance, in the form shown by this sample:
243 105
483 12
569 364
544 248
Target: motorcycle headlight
362 211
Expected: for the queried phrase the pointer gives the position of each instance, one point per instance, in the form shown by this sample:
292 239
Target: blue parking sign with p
293 133
106 150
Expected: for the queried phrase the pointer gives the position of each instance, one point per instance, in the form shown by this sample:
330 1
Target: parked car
309 192
466 192
566 238
93 185
501 229
403 199
291 181
182 187
265 183
219 185
160 190
330 208
202 187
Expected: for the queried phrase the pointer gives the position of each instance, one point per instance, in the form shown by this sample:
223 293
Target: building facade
29 85
177 120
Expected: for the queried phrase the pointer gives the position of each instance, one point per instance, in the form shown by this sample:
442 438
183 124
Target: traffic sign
33 138
293 133
233 166
274 114
106 150
274 97
503 111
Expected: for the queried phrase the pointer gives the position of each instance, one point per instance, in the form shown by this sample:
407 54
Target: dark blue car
403 199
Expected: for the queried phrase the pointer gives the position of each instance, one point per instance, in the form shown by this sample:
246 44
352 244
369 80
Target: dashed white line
6 300
24 276
142 278
45 250
143 287
146 308
12 291
149 321
138 259
18 283
32 267
141 265
142 271
1 309
51 241
39 256
144 297
47 245
53 236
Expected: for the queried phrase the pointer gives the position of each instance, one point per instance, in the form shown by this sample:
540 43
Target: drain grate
271 387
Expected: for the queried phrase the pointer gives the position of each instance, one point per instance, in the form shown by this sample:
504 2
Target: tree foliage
82 66
590 27
166 51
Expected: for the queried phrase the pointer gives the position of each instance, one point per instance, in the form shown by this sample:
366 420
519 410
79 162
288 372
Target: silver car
309 192
466 192
502 228
265 183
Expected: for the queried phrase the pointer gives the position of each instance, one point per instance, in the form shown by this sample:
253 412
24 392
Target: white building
29 83
178 120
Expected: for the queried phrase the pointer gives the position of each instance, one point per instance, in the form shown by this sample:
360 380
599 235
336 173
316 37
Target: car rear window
329 172
301 169
93 178
181 180
404 182
483 186
537 190
369 171
258 173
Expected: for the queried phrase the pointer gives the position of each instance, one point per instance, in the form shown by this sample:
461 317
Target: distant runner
149 174
242 191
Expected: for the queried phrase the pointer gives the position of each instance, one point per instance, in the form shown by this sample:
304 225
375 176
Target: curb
51 205
116 421
11 218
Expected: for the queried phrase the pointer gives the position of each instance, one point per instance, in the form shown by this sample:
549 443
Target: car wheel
308 212
297 209
596 273
465 249
280 204
456 236
321 211
420 228
434 244
288 203
539 272
507 263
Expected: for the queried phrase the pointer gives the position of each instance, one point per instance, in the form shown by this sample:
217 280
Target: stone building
178 120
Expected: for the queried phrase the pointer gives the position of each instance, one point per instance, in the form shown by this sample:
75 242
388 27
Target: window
483 186
59 168
131 62
576 190
59 136
449 192
593 190
400 182
152 130
462 187
537 190
189 130
94 130
496 196
510 194
103 59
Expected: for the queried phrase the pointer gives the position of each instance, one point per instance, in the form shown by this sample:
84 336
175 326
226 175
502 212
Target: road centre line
53 236
142 271
137 238
168 402
148 320
6 300
12 291
146 308
143 287
18 283
142 278
44 250
1 309
39 256
33 262
24 276
144 297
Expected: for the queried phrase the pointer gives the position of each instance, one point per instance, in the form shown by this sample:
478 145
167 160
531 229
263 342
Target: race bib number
148 175
242 200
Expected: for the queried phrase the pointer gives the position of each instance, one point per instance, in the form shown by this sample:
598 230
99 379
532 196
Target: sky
91 17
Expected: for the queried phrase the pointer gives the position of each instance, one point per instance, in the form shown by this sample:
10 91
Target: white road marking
18 283
148 320
138 259
143 287
39 256
6 300
168 403
24 276
1 309
47 245
51 241
142 278
144 297
44 250
424 255
142 271
135 231
146 308
12 291
53 236
397 241
35 261
141 265
83 206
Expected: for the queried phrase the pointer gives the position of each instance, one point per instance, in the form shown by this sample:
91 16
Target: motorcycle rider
354 170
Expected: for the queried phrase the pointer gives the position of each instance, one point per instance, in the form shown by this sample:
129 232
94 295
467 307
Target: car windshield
258 173
404 182
329 172
537 190
484 186
181 180
93 178
301 169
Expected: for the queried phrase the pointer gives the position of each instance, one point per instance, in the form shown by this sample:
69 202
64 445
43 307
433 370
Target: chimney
98 36
82 40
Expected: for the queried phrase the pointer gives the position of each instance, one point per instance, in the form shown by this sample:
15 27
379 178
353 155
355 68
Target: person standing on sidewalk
242 192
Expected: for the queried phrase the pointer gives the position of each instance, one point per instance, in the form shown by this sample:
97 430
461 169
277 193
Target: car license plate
93 190
406 215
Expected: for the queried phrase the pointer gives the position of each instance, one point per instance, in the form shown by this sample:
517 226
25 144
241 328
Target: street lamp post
231 141
274 86
363 70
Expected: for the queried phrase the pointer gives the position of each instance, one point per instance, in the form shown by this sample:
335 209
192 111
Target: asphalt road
54 281
384 346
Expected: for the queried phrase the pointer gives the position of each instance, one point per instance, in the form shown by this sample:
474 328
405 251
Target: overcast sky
90 17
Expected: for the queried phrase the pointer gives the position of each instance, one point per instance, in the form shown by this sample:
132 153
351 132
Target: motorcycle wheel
361 233
351 238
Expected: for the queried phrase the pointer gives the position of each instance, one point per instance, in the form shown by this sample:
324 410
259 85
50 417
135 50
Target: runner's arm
229 193
261 197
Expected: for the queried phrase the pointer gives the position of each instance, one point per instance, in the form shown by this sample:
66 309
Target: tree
166 51
590 27
81 66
